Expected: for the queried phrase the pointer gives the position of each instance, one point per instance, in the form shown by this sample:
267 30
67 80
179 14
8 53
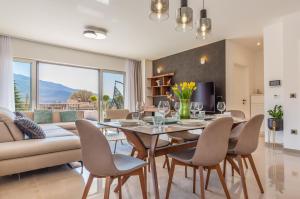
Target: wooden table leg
154 140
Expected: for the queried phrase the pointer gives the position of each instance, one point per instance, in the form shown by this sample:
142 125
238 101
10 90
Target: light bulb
184 19
203 28
159 6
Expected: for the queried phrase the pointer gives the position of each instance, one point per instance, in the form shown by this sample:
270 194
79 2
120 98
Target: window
63 87
113 89
22 85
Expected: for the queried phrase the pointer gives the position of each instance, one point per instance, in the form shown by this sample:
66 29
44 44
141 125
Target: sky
73 77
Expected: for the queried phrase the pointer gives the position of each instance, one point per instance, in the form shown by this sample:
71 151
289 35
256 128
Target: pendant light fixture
184 17
159 10
204 25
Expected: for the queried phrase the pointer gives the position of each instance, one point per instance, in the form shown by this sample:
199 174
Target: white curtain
6 74
133 84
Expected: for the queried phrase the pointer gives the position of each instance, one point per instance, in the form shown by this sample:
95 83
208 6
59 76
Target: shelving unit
160 85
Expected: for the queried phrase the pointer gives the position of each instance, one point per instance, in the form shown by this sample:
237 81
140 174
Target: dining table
133 134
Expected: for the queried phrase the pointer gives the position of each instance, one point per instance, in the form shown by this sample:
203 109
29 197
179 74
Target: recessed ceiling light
95 33
258 44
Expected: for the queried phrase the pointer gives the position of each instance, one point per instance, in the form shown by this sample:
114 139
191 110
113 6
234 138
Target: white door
241 89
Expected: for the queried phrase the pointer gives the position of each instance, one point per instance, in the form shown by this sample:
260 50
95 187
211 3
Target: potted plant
184 93
276 120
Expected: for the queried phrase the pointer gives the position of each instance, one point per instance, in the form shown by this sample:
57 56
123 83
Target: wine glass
221 107
164 107
194 108
177 108
200 106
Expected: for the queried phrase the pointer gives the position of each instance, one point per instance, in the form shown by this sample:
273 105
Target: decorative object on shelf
204 24
184 17
169 82
184 93
276 120
158 82
159 10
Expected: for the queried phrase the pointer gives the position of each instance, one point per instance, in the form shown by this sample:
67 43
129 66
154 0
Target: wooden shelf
158 96
160 76
159 86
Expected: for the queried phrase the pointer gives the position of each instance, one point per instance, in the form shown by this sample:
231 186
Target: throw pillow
43 116
19 114
30 128
68 116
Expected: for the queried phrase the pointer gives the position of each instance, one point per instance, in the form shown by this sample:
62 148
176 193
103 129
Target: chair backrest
95 149
115 114
248 137
237 113
213 143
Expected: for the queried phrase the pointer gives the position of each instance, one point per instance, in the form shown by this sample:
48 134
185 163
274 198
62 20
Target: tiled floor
279 172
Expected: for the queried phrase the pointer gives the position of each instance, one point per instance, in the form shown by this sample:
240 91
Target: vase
277 122
184 111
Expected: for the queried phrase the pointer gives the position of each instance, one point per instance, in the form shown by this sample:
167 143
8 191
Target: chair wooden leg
220 174
87 186
145 174
185 172
120 187
207 178
194 179
234 166
255 173
202 196
143 183
242 174
107 187
232 171
165 163
224 167
171 173
123 180
245 162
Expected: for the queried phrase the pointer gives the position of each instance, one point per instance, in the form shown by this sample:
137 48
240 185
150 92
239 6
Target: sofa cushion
8 118
43 116
67 125
58 133
26 148
5 135
68 116
30 128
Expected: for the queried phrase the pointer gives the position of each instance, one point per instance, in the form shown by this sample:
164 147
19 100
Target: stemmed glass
177 108
221 107
164 108
140 106
194 108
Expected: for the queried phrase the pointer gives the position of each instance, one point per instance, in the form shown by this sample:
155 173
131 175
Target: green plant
94 98
105 98
276 112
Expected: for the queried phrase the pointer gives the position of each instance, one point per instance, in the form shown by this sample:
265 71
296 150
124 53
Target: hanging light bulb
204 25
184 17
159 10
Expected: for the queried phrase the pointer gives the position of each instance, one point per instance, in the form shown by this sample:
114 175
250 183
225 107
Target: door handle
244 101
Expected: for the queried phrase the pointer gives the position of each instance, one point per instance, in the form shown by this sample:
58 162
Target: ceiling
131 33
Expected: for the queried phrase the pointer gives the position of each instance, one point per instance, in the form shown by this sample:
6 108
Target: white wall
282 61
273 70
259 71
49 53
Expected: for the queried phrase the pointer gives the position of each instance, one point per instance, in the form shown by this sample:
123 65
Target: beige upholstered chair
100 162
210 151
237 113
245 145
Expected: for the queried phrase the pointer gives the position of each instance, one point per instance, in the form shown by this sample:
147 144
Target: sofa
19 154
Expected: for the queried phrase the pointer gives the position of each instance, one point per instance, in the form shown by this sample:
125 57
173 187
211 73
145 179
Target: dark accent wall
186 66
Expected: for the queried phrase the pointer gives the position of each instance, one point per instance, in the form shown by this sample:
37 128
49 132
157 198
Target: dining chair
101 163
237 113
209 152
234 133
245 145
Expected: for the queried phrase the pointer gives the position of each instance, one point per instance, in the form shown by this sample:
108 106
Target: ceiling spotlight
159 10
258 44
184 17
95 33
204 25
